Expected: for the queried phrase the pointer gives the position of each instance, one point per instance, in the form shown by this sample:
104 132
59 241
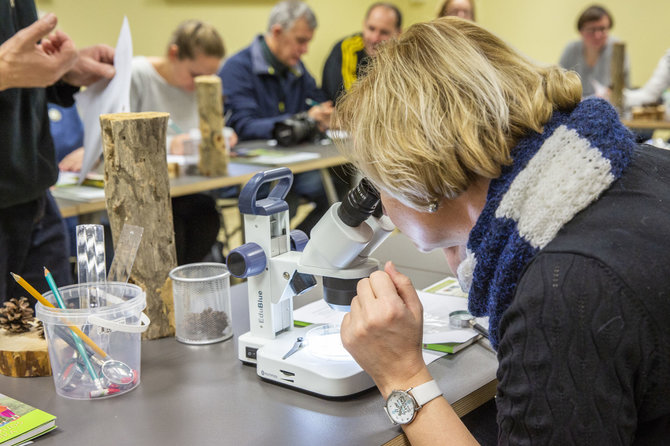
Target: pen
311 102
80 345
41 299
173 125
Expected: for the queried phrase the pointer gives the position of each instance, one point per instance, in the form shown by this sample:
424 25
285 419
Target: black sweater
27 160
585 345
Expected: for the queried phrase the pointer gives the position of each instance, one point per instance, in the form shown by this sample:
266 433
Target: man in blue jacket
266 83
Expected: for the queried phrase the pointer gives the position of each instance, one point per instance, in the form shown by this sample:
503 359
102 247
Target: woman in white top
167 84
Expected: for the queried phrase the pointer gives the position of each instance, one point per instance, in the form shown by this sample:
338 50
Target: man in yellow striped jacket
382 22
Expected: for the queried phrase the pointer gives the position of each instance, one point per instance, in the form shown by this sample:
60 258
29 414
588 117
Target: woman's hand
72 161
384 330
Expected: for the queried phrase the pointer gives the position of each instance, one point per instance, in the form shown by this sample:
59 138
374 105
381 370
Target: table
645 124
238 174
204 395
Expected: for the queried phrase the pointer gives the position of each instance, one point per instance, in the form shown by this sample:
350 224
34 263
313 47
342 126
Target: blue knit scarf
554 175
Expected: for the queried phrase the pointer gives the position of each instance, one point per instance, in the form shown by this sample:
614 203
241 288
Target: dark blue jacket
258 98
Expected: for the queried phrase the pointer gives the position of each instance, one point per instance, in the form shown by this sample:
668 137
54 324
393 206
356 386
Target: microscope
280 264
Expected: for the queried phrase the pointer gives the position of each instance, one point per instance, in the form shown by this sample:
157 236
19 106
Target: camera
296 129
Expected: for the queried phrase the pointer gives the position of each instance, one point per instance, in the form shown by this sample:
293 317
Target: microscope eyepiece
359 204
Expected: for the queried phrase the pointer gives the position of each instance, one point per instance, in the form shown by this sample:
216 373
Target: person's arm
570 356
94 63
322 112
331 81
240 99
383 333
29 59
655 86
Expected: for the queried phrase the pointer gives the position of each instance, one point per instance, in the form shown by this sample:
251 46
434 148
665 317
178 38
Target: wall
538 28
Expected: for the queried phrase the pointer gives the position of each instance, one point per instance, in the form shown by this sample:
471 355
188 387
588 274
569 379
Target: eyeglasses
596 29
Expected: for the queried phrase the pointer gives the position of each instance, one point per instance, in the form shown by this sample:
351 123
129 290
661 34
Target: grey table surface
202 394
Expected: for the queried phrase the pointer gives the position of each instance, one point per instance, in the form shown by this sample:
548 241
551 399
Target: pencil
41 299
77 340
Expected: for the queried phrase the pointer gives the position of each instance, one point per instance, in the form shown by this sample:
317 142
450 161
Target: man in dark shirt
35 67
383 21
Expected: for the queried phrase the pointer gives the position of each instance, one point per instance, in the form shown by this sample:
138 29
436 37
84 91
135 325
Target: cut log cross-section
23 354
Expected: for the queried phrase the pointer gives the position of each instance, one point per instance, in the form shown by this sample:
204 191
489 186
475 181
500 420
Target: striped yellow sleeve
350 46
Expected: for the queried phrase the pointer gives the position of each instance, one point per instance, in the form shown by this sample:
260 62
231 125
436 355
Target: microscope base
307 371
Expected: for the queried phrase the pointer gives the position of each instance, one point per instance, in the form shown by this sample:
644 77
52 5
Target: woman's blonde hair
194 37
443 104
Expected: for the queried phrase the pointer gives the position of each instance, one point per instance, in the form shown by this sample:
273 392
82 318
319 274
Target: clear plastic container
201 303
94 342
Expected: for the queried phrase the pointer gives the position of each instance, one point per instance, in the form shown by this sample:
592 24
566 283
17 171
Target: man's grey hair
286 13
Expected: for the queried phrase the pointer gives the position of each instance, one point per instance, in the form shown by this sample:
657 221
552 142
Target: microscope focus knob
298 240
246 260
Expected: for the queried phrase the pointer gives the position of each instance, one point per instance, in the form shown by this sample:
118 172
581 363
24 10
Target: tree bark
137 191
617 75
213 153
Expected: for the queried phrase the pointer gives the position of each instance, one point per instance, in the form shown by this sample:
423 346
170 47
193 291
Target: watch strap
425 392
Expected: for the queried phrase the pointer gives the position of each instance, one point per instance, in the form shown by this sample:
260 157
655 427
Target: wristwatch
402 405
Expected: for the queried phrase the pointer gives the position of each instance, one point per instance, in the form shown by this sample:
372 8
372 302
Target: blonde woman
555 221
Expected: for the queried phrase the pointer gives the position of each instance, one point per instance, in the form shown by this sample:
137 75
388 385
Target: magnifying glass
115 372
463 319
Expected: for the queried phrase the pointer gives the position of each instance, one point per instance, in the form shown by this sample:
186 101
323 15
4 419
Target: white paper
436 309
105 96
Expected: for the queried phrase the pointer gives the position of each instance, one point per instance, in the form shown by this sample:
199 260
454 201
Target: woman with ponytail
554 220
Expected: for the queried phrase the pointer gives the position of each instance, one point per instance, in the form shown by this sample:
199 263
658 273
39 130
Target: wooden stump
213 154
137 191
23 354
617 75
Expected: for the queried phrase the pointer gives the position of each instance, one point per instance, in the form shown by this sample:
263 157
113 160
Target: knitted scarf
553 176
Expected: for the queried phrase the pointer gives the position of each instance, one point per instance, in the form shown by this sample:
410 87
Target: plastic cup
110 314
201 303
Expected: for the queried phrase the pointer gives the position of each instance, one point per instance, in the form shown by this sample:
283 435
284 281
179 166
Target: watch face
400 407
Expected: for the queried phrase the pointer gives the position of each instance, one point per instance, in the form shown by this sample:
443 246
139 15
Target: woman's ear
173 52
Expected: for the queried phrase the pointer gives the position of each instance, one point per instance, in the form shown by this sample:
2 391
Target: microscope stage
329 372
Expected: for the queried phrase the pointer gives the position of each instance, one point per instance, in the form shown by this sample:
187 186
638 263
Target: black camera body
296 129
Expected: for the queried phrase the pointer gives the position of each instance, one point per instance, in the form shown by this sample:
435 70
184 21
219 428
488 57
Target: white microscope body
337 252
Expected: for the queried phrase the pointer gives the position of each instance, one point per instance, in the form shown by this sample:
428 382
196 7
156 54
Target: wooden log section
213 154
23 354
617 75
137 192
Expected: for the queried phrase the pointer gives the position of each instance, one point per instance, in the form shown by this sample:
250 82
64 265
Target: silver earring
432 207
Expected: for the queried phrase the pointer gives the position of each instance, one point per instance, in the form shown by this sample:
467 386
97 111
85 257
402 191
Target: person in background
167 84
37 64
591 56
653 90
554 220
464 9
267 83
349 56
